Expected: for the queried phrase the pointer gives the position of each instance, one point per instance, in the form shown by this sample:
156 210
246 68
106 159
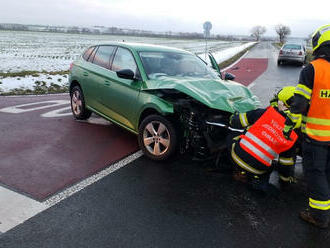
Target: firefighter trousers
316 163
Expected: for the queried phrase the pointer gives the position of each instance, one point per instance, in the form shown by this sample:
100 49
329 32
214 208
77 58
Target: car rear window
103 55
87 53
292 46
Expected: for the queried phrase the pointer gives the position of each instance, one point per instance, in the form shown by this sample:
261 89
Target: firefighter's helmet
286 95
321 37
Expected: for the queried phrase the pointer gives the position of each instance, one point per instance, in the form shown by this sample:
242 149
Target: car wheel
278 62
157 137
78 107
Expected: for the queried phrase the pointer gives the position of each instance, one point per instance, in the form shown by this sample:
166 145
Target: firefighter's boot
307 216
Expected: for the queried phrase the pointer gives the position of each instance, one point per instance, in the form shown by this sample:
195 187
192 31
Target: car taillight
71 65
300 53
281 52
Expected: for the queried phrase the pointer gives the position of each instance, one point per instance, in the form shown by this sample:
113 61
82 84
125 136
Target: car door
214 64
84 75
119 95
95 76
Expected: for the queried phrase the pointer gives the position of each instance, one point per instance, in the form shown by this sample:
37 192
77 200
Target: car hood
218 94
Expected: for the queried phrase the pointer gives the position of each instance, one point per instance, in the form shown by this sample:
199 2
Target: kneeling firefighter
263 141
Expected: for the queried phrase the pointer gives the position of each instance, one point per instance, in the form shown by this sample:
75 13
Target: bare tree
282 31
257 31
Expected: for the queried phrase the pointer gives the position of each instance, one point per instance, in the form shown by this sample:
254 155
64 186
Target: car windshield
292 46
158 64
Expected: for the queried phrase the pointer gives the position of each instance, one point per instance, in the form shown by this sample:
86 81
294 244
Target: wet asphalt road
177 204
275 76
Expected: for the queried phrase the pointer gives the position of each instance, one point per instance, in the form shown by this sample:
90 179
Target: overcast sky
226 16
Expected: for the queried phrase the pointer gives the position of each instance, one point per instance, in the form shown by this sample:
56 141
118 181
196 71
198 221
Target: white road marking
44 95
251 85
17 109
58 113
90 180
16 208
97 121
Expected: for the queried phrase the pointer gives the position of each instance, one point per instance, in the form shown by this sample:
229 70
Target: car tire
157 138
78 107
279 62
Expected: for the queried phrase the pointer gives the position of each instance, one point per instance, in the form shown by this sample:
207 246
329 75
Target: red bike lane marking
248 70
41 156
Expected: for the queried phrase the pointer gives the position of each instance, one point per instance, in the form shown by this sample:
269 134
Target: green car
169 97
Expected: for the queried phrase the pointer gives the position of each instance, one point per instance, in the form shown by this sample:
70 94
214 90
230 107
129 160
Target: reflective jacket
318 116
264 140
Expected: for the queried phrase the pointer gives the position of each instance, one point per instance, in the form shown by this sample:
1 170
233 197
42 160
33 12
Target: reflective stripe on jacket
318 117
265 140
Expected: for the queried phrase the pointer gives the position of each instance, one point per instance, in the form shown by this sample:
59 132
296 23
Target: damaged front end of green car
203 108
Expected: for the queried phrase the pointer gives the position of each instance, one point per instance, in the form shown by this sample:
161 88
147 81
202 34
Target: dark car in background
292 52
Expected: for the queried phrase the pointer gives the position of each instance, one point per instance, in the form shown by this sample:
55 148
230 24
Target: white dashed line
17 109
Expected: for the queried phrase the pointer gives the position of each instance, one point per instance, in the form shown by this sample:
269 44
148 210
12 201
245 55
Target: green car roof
140 47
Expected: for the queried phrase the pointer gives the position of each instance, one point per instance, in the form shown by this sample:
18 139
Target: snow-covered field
49 52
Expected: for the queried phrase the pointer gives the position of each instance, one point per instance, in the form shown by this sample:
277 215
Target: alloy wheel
156 138
76 103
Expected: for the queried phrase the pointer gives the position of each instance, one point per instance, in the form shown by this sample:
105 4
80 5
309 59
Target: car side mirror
126 74
229 76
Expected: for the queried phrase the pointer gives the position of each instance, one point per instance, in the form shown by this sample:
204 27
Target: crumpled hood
218 94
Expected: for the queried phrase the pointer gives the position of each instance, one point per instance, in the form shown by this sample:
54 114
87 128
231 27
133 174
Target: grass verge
31 73
39 88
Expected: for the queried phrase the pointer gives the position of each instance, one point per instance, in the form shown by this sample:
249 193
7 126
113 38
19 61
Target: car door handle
85 74
107 83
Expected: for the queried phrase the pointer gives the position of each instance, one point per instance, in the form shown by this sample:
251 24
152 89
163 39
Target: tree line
256 32
282 31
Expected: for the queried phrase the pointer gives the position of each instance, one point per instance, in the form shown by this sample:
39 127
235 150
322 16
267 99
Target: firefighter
285 166
263 141
312 100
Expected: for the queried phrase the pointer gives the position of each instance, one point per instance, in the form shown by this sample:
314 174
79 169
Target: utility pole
207 26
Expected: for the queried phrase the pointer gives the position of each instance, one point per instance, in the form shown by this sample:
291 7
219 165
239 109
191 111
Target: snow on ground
28 82
223 55
36 51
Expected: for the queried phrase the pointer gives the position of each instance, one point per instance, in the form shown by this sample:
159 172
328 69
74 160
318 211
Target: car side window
123 60
103 55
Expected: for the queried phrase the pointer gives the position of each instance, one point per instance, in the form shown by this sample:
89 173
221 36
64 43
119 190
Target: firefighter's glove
287 131
231 118
274 101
